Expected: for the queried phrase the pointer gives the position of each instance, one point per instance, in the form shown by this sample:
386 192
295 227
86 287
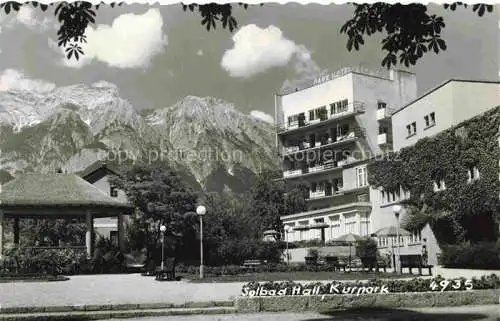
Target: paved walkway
113 289
466 313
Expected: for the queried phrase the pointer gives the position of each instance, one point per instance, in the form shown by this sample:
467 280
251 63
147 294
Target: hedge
414 285
472 256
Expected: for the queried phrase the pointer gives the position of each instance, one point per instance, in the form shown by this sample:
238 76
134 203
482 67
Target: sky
157 55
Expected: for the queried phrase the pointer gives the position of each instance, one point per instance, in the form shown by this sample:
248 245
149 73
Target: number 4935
451 284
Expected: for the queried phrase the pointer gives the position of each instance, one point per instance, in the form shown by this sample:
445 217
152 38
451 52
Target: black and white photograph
250 161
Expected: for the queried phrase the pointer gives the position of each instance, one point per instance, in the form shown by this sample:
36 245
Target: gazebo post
121 234
16 232
1 232
88 234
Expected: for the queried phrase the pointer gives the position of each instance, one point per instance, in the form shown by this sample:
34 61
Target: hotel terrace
325 135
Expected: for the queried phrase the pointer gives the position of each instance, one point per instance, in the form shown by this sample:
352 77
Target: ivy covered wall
464 211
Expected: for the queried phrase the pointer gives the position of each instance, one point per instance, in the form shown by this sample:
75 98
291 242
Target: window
382 130
472 174
343 130
293 120
335 226
439 185
318 113
338 107
361 177
350 224
430 120
113 192
411 129
381 105
364 224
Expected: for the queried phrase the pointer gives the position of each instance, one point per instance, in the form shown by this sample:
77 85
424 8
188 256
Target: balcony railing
383 139
305 146
329 165
384 113
351 110
317 194
339 190
291 173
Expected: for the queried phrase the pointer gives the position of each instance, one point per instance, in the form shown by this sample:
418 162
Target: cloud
11 79
199 53
256 50
131 41
26 16
262 116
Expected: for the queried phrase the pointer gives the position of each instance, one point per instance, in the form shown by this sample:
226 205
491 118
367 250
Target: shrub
41 261
313 252
475 256
366 248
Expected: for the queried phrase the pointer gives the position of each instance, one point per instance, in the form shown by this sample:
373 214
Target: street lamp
287 230
397 209
163 228
201 210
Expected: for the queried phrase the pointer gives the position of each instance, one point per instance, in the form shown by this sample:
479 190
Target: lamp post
163 228
397 209
287 230
201 210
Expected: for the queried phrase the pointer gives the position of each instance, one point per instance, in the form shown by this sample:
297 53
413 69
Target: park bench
168 271
253 264
335 263
414 261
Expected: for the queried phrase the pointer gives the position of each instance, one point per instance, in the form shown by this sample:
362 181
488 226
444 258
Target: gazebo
56 196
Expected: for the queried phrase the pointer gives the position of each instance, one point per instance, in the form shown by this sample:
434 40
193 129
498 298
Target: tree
160 197
269 199
411 31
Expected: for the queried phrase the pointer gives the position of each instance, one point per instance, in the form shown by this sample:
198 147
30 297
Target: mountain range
211 144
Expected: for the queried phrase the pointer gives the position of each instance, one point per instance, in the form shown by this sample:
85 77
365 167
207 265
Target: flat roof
381 73
430 91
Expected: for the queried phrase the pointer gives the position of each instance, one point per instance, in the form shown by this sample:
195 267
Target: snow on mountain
207 139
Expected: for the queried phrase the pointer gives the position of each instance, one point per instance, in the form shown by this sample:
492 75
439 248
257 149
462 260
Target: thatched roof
56 191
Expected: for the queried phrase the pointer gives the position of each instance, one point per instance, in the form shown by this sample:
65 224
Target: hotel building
441 108
326 134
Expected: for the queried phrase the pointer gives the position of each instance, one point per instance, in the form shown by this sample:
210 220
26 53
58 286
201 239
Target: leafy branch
411 31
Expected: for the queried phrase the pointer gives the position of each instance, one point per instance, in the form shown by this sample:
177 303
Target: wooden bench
334 262
253 264
414 261
168 271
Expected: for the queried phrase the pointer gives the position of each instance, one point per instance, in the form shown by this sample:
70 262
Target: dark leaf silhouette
410 30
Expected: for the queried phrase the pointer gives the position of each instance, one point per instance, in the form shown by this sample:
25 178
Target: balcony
339 190
316 194
384 113
383 139
306 146
292 173
291 149
351 110
326 167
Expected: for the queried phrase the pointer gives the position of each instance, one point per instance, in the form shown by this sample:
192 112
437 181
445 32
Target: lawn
295 276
